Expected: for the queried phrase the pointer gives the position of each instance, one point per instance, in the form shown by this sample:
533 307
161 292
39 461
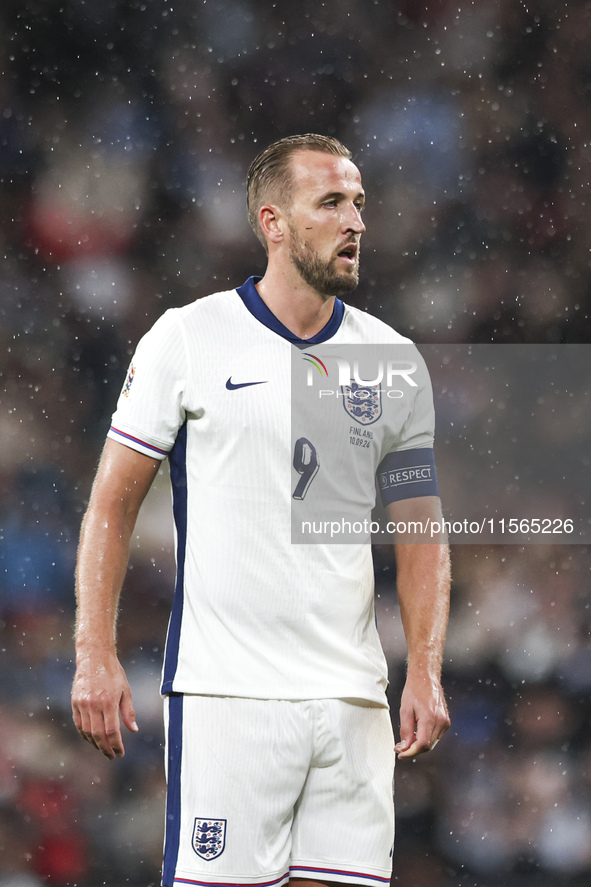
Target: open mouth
349 253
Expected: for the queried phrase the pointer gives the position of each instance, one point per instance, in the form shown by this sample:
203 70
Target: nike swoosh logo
232 386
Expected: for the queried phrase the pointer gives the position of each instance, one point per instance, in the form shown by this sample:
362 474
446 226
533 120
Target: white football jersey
253 614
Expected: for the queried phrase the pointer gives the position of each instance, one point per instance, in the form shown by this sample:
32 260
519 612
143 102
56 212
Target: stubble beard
322 276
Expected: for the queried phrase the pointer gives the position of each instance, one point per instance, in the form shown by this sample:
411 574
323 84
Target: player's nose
352 220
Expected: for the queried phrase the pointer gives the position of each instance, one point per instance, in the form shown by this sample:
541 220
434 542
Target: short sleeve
418 430
150 410
407 469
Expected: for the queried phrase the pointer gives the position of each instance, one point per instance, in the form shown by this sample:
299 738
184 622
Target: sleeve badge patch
128 381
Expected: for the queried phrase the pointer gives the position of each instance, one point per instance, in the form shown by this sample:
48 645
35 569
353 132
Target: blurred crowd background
126 129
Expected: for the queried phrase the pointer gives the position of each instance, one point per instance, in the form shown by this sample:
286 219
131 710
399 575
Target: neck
303 310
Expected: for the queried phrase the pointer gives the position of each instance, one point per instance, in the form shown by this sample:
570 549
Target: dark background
126 129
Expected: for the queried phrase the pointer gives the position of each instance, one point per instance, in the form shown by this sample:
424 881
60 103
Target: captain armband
407 474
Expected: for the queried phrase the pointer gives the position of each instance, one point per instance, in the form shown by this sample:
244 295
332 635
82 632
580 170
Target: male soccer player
280 751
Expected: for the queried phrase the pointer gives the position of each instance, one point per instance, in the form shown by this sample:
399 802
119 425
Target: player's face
324 221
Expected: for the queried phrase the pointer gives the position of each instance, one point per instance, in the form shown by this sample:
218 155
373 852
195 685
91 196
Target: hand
423 716
99 693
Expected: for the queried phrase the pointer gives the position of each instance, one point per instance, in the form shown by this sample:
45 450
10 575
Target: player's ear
272 222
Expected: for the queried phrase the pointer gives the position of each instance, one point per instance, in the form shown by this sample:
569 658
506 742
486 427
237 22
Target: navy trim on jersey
172 835
178 477
407 474
249 295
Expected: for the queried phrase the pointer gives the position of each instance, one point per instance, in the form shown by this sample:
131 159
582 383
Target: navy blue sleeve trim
407 474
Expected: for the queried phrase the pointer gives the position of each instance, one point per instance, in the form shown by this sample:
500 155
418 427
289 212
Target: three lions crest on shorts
209 838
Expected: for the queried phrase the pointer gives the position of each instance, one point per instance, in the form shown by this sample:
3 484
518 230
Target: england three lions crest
362 402
209 838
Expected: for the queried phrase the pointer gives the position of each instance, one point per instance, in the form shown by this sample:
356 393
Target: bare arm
423 583
100 687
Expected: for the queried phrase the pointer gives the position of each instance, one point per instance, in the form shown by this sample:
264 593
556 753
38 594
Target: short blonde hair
270 173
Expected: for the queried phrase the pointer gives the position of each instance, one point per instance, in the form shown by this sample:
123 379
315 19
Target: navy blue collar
249 295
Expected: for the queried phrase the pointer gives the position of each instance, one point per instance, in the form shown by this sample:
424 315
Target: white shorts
261 790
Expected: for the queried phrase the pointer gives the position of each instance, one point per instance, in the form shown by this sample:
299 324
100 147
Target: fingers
407 732
97 720
99 694
108 735
82 723
417 746
128 712
420 733
99 728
